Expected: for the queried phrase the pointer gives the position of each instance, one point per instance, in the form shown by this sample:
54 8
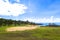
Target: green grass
41 33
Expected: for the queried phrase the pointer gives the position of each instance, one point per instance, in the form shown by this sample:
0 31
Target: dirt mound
20 28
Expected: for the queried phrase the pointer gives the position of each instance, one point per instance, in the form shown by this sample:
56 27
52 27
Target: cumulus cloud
8 9
43 20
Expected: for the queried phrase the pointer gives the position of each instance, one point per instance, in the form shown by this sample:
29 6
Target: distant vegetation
9 22
53 25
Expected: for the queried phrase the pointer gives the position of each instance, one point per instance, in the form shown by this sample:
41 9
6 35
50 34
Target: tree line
10 22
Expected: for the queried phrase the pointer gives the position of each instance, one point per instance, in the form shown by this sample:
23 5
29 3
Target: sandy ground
21 28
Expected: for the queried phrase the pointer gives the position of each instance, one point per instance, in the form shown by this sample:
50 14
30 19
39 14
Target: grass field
41 33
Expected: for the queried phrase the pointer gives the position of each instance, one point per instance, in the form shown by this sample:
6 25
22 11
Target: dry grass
21 28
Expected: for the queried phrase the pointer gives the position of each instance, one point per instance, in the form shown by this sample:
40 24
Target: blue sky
32 10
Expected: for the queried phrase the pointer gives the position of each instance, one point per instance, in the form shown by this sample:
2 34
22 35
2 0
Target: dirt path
20 28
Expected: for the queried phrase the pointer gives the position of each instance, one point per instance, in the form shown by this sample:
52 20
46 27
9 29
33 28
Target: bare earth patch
20 28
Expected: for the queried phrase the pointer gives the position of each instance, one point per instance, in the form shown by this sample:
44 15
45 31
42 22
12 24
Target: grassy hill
41 33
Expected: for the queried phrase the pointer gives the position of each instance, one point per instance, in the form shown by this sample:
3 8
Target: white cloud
17 0
43 20
9 9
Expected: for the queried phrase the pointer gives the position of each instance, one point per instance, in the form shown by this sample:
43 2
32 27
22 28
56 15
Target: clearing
21 28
